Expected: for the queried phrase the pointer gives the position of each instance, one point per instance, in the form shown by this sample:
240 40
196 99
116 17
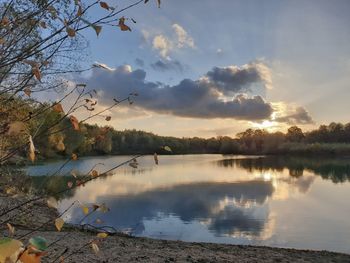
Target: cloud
202 98
139 62
294 115
234 78
168 65
165 44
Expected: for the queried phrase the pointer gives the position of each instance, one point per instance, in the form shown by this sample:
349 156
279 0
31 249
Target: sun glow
266 125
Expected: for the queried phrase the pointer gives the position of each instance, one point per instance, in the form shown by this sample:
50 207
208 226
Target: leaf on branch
58 107
31 149
2 41
70 31
122 25
108 118
85 209
36 72
70 184
27 91
74 157
94 173
102 235
155 156
52 202
75 123
16 127
11 229
104 5
5 21
59 222
95 247
80 11
97 29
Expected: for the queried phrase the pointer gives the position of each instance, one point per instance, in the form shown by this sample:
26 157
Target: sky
211 68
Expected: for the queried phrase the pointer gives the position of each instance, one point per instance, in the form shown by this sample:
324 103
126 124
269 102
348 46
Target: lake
283 202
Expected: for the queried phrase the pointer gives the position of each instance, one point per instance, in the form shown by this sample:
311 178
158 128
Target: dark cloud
298 116
236 79
200 98
172 65
139 62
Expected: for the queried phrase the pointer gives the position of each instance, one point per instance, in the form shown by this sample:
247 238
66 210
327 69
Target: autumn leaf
75 123
102 235
85 209
80 11
70 32
94 173
36 72
10 249
31 149
122 25
27 91
74 157
97 29
11 229
108 118
52 202
95 248
155 158
104 5
59 222
60 145
58 107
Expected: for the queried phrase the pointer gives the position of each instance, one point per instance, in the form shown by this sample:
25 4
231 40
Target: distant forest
91 140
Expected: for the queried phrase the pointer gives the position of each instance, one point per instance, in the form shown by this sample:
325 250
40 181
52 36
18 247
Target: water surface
283 202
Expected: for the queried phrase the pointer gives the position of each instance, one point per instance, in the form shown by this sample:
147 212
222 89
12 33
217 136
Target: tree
295 134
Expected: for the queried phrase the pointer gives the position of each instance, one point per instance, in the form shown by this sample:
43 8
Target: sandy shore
74 243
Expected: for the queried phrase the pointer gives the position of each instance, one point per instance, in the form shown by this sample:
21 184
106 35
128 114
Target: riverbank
124 248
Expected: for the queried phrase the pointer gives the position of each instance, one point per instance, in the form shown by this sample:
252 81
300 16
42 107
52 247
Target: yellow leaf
102 235
75 123
27 91
11 229
58 107
70 32
31 149
52 202
59 222
74 157
104 5
95 248
85 209
155 158
10 249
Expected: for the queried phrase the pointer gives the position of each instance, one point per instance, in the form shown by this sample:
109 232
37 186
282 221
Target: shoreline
124 248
